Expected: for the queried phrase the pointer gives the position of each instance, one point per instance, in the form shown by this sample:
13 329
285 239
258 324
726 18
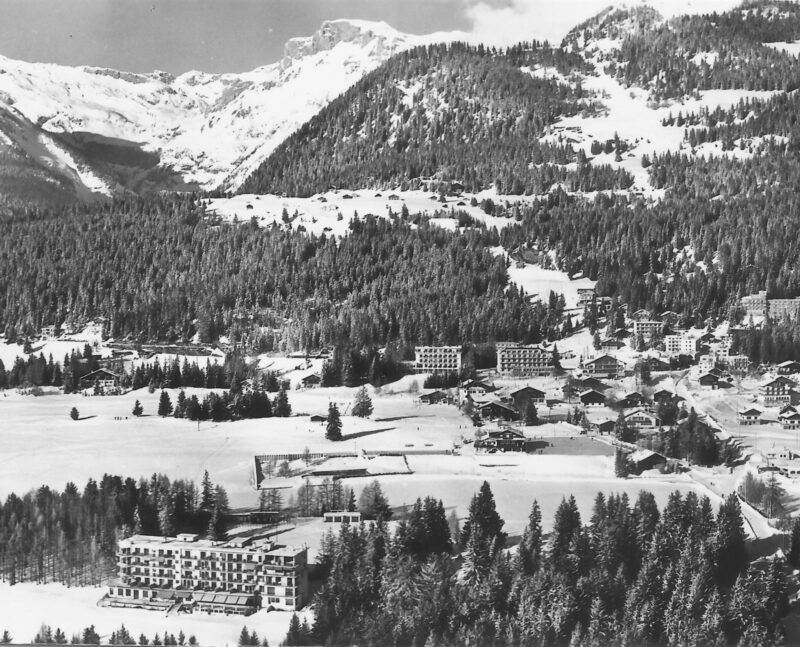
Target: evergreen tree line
691 53
162 271
772 343
635 575
443 113
226 406
749 119
71 536
89 636
746 242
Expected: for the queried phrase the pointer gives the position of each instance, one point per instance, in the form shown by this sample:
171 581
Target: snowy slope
213 129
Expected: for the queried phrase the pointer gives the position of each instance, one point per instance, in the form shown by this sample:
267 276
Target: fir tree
483 514
281 407
74 413
333 427
362 406
137 409
164 404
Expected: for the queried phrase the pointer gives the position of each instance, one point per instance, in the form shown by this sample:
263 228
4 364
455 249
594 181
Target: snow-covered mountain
107 129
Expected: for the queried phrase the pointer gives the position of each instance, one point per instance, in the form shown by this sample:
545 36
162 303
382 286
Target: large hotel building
437 359
237 576
523 361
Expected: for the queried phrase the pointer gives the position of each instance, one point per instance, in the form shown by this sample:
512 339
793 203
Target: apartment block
524 361
437 359
675 345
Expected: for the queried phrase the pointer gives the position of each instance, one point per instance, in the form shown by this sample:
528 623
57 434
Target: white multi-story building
675 345
647 329
524 361
237 576
437 359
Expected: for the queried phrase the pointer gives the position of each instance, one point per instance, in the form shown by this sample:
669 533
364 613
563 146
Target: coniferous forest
71 536
634 575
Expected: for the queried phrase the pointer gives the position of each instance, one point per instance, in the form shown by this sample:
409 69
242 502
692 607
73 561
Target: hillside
144 132
440 113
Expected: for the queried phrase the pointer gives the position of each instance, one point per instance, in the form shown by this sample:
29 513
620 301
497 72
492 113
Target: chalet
553 402
775 393
503 440
49 332
456 188
476 387
593 383
500 410
709 381
640 315
113 364
605 427
657 365
788 367
790 421
102 377
310 381
434 397
632 400
708 338
725 383
605 365
592 398
611 344
394 196
642 420
585 296
749 416
521 397
319 418
662 396
621 333
643 459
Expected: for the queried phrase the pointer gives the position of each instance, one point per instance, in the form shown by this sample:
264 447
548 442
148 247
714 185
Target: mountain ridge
209 130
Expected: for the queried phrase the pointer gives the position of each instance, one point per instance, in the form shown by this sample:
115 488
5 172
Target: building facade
243 574
437 359
647 328
675 345
775 393
524 361
604 366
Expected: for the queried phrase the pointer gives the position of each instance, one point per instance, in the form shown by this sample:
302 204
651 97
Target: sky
239 35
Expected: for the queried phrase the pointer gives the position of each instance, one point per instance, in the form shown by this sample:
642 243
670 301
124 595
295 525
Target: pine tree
137 409
362 406
164 405
622 468
166 513
730 551
281 407
793 558
333 428
483 514
74 413
530 547
6 639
